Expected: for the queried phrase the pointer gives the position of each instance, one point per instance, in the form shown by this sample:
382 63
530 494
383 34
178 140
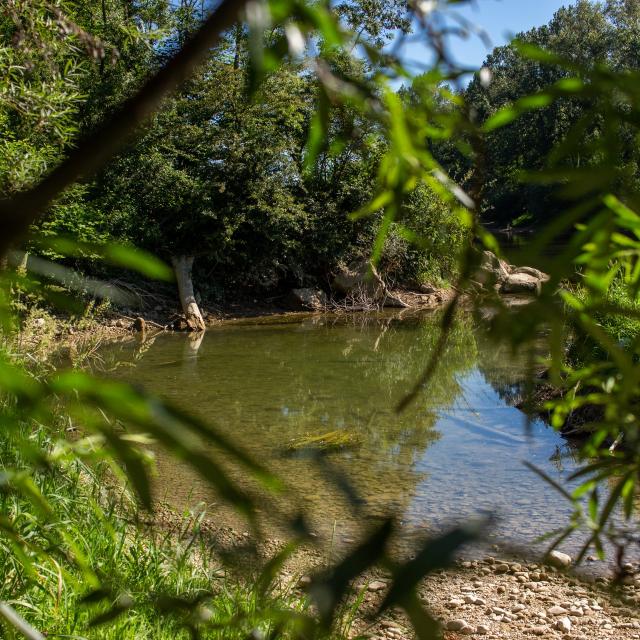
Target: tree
584 34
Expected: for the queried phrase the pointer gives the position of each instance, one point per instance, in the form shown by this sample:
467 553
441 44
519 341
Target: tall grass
57 592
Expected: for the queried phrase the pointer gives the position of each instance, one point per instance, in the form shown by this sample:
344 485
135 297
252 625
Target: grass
84 561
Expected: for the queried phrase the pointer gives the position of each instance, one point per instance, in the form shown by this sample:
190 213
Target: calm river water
456 452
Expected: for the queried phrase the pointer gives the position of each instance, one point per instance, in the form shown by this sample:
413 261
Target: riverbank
499 598
44 331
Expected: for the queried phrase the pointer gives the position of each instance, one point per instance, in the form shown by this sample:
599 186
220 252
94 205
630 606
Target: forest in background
212 175
226 180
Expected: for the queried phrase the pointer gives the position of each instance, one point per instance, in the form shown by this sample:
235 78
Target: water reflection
455 452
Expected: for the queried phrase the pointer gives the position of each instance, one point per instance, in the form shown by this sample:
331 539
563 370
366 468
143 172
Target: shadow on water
454 453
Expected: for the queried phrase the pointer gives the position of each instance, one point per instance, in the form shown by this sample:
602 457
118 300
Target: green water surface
453 454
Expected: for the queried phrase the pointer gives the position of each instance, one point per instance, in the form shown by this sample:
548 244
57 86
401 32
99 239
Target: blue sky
501 19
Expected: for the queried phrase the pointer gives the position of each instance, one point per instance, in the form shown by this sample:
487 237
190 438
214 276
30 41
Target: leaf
435 554
115 253
71 279
317 131
121 606
614 496
510 113
328 589
273 567
549 480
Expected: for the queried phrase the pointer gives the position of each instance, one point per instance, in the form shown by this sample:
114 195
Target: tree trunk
182 266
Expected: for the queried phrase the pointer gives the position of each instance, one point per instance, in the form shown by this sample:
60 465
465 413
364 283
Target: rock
521 283
506 278
377 585
493 270
559 560
563 624
313 299
539 630
457 625
536 273
39 322
481 630
427 288
557 611
304 582
454 603
501 568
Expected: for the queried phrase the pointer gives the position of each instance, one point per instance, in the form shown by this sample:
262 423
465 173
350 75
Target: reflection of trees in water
507 375
269 385
504 371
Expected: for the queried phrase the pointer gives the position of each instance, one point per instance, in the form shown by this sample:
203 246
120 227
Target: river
457 452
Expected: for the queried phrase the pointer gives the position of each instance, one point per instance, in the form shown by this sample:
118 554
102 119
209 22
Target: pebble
501 568
557 611
559 560
457 625
481 630
377 585
563 624
539 631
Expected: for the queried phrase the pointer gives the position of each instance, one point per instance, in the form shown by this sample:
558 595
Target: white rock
457 625
559 560
377 585
563 624
557 611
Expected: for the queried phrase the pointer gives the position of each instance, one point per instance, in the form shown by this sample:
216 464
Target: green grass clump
82 568
332 440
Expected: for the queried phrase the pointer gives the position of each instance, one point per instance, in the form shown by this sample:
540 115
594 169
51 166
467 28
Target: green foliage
222 165
520 94
257 160
143 571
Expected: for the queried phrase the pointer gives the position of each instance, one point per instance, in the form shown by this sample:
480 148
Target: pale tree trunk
182 266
